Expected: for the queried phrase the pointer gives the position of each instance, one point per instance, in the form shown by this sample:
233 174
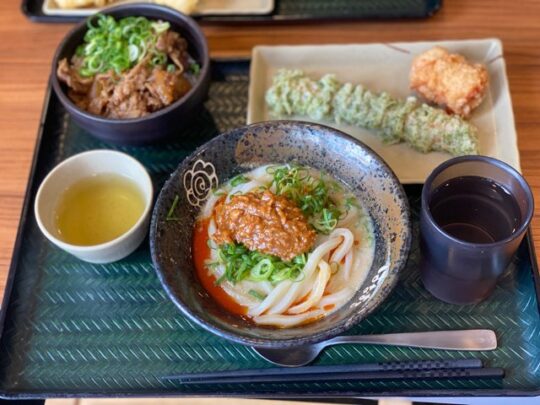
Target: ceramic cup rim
146 180
525 222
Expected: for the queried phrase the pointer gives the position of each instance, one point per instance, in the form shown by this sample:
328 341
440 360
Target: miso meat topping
264 222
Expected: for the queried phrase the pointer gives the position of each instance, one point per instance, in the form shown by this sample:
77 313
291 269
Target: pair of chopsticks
406 370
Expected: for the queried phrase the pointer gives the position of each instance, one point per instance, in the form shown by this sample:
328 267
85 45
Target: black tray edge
432 6
269 395
283 395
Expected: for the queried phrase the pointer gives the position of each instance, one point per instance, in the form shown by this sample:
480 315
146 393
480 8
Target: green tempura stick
421 126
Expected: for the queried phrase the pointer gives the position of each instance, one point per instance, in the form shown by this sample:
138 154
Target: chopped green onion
351 202
194 68
262 270
170 215
159 59
85 72
133 53
243 264
119 45
220 280
310 194
171 68
237 180
256 295
327 220
160 26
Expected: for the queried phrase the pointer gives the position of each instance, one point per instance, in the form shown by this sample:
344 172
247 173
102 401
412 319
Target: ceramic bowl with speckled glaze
243 149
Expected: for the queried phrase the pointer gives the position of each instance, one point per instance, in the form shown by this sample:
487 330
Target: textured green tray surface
351 8
76 328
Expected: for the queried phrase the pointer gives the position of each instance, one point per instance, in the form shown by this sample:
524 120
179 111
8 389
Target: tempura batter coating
449 80
423 127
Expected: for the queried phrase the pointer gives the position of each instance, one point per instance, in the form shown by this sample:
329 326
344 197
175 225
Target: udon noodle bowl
283 245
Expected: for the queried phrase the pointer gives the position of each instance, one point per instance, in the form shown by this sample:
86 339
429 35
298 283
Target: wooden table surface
26 50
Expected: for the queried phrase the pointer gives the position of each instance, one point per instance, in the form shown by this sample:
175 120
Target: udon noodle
280 291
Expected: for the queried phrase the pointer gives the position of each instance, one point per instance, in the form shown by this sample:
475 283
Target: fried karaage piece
449 80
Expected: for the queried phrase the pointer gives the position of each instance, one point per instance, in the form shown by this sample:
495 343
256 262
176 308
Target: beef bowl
133 74
271 236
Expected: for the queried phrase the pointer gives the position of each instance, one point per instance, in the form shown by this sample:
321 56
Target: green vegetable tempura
422 127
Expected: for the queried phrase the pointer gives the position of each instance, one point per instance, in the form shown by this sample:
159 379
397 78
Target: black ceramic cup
475 212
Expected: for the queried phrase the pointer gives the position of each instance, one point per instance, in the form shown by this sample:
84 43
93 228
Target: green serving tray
71 328
290 11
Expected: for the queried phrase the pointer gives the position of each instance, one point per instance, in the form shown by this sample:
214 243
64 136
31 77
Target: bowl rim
296 341
138 8
105 245
505 167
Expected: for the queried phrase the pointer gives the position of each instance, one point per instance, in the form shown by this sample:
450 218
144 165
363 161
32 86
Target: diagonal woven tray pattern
73 328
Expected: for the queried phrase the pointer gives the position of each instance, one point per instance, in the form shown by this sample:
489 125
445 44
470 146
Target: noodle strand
318 290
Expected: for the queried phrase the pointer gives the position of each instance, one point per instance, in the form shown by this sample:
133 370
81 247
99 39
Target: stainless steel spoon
473 340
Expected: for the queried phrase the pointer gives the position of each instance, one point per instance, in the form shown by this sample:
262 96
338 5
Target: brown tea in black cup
475 212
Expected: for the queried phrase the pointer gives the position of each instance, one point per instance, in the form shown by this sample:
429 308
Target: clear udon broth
285 293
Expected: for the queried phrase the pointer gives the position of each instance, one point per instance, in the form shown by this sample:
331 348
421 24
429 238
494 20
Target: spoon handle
473 339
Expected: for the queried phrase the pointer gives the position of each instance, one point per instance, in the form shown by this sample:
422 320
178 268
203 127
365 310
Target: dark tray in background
292 10
71 328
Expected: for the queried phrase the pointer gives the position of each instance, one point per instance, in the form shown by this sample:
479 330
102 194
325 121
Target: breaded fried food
423 127
449 80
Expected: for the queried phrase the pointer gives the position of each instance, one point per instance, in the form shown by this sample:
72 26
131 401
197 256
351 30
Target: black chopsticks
428 369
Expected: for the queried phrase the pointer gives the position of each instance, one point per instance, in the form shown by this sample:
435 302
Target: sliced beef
175 47
72 78
139 91
132 106
100 93
131 82
167 86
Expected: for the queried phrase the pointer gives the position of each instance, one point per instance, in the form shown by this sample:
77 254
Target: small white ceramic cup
82 166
